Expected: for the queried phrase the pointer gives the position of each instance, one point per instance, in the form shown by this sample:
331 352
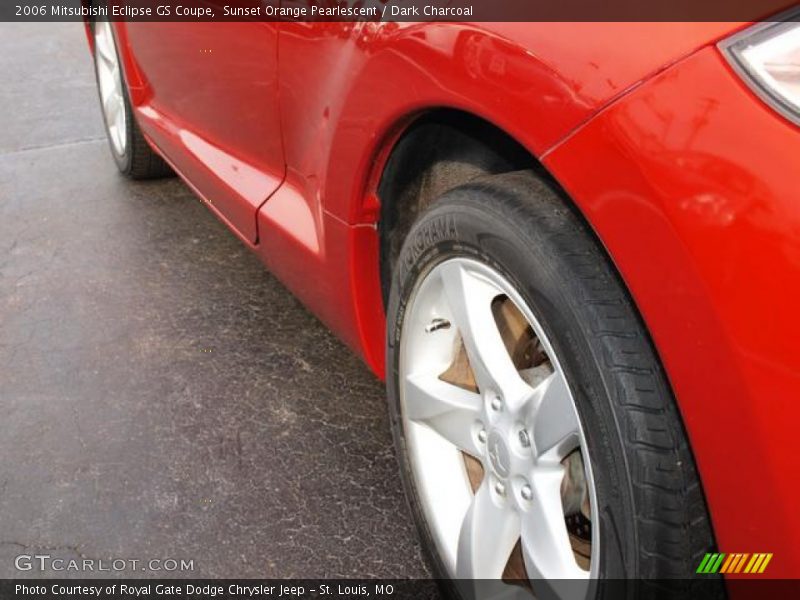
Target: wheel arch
436 150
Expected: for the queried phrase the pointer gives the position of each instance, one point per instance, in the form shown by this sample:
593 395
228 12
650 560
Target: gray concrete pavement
161 395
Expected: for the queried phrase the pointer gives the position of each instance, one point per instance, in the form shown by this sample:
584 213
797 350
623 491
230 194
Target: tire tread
672 547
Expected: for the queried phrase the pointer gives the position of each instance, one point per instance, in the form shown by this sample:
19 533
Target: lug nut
497 403
526 492
524 439
482 436
500 489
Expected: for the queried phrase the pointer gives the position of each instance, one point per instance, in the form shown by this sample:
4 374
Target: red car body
686 176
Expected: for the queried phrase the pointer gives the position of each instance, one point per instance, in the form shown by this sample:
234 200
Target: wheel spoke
119 133
120 115
447 409
554 421
470 300
111 106
117 74
104 45
488 535
546 548
105 80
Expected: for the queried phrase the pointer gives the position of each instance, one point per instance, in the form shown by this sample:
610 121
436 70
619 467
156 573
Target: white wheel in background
131 152
109 83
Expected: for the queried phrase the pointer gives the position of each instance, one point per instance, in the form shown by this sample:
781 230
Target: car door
210 102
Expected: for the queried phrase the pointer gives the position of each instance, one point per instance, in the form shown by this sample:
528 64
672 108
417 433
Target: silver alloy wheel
520 425
109 79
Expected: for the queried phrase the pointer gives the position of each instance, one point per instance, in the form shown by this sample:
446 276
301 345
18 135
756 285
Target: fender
700 226
342 113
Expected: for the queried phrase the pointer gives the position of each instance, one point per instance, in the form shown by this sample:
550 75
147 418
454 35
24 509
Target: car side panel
694 193
344 87
348 90
207 97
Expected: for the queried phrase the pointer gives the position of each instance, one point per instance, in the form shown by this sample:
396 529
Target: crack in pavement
58 145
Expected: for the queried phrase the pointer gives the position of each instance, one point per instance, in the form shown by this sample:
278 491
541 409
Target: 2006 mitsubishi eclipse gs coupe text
571 249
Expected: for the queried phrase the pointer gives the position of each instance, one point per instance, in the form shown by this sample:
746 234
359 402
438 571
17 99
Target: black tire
654 522
138 160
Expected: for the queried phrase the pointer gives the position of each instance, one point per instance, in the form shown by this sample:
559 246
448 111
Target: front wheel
538 439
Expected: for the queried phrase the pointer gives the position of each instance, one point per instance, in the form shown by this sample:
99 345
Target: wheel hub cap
498 454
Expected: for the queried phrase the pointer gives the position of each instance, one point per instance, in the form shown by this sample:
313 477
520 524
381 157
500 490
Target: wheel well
441 150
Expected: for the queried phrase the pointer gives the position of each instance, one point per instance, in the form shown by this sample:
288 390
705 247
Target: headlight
768 56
